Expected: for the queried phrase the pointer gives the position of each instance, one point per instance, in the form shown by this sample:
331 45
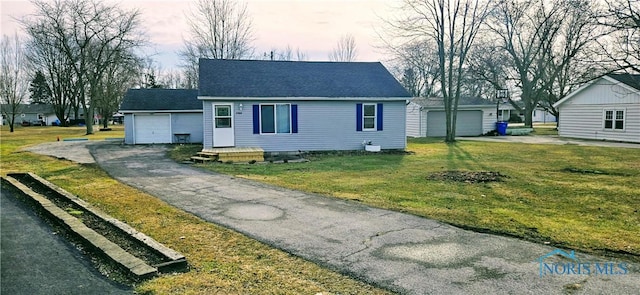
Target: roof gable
631 82
158 99
255 78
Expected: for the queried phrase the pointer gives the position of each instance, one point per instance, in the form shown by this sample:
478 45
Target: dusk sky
314 26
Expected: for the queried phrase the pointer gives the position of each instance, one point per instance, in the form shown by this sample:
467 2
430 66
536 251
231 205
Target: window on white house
369 117
275 118
614 119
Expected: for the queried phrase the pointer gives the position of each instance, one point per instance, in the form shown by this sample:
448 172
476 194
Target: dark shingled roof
464 101
31 108
157 99
629 79
256 78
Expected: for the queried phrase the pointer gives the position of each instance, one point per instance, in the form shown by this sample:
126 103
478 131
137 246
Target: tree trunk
528 118
13 121
88 119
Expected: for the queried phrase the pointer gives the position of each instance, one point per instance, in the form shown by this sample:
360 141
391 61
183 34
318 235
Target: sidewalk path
402 252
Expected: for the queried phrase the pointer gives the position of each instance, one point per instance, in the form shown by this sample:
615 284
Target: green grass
541 200
221 260
544 131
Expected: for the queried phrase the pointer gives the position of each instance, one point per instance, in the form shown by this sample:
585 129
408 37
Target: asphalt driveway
35 260
402 252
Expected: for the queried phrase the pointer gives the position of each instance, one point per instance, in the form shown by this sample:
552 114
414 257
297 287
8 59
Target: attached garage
152 128
160 116
426 117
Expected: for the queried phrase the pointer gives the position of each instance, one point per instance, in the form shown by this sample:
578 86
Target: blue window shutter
359 117
379 117
256 119
294 118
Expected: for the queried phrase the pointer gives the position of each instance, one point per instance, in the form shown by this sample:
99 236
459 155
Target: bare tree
219 29
285 54
300 55
91 36
574 58
149 74
118 77
623 17
452 26
13 79
345 50
418 63
540 45
172 79
44 54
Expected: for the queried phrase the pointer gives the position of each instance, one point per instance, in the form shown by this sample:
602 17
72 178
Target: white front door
223 135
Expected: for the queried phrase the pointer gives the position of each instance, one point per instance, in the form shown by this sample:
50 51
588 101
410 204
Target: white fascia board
304 98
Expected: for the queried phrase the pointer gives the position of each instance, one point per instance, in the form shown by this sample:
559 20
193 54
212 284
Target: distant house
162 116
307 106
540 115
30 114
607 108
476 116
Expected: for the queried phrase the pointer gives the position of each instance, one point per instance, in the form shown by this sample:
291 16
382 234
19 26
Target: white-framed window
614 119
369 113
275 118
223 116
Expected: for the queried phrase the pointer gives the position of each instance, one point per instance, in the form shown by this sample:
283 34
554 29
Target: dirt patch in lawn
468 176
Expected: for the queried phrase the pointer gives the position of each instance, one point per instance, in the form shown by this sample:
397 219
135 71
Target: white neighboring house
607 108
541 115
476 116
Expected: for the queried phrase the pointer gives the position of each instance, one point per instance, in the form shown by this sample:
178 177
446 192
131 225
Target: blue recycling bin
501 127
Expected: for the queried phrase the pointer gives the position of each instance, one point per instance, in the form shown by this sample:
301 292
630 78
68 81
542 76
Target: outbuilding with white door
476 116
158 116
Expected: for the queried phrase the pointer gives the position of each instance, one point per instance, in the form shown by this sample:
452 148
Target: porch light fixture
240 106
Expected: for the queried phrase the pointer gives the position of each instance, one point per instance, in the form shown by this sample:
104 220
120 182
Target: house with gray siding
607 108
283 106
162 116
29 113
476 116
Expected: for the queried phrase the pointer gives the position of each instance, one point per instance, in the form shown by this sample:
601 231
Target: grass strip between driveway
221 260
578 197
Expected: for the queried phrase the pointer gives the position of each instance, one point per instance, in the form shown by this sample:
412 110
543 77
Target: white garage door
469 123
152 128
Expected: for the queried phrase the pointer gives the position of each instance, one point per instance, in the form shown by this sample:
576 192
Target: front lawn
585 198
222 261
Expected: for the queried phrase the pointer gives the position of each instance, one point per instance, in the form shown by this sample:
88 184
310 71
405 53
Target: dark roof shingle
158 99
629 79
31 108
464 101
255 78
